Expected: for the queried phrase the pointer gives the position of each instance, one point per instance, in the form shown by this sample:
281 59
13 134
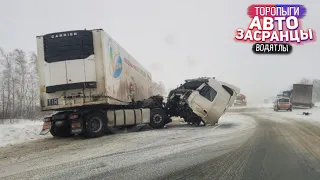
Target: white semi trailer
95 86
88 77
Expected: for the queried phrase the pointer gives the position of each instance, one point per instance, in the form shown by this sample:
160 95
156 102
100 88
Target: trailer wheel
158 118
53 132
95 125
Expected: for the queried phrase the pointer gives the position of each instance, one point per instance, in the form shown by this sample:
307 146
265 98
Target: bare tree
305 81
7 77
316 89
19 94
32 83
20 79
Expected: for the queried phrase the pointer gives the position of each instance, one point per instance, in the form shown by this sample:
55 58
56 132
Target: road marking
215 127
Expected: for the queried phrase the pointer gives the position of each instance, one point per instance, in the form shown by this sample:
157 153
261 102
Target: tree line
19 92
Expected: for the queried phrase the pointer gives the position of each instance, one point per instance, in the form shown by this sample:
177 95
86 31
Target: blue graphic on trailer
116 64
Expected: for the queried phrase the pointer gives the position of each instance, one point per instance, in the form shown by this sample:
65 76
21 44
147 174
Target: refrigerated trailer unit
88 67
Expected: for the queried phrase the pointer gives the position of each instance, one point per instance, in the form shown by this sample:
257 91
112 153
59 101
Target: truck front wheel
95 125
158 118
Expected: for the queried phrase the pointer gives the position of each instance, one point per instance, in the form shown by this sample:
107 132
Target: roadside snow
18 131
296 114
261 105
253 106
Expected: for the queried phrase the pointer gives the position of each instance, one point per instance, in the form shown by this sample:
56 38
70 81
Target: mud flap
76 126
45 127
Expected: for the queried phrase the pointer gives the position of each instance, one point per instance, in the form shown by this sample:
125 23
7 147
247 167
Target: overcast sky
173 39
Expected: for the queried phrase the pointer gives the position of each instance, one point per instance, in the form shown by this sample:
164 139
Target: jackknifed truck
94 86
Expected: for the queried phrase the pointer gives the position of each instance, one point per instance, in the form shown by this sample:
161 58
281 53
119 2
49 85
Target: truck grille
68 45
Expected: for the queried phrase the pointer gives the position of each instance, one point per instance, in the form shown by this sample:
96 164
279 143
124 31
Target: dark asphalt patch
227 125
272 153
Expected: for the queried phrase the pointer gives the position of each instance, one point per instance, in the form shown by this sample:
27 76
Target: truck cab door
202 100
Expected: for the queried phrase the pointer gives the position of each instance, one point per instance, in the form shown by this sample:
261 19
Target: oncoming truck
301 96
95 86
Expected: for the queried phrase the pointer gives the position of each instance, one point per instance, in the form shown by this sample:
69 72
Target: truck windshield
68 46
208 92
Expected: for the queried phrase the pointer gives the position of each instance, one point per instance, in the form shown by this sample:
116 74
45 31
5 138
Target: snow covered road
19 131
159 151
249 143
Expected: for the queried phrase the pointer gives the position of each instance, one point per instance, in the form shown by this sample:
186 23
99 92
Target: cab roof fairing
193 84
234 88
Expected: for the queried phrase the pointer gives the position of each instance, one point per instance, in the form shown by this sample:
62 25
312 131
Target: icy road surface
249 143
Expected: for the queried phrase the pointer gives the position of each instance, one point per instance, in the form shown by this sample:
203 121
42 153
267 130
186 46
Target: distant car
282 103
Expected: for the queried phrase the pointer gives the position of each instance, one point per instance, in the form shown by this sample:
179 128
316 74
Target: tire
94 125
53 132
290 110
158 118
63 131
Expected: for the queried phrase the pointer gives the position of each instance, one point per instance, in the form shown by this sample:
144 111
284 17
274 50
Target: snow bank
18 131
270 105
297 114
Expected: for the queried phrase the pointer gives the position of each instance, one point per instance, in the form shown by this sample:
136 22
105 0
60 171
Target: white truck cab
211 100
208 98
